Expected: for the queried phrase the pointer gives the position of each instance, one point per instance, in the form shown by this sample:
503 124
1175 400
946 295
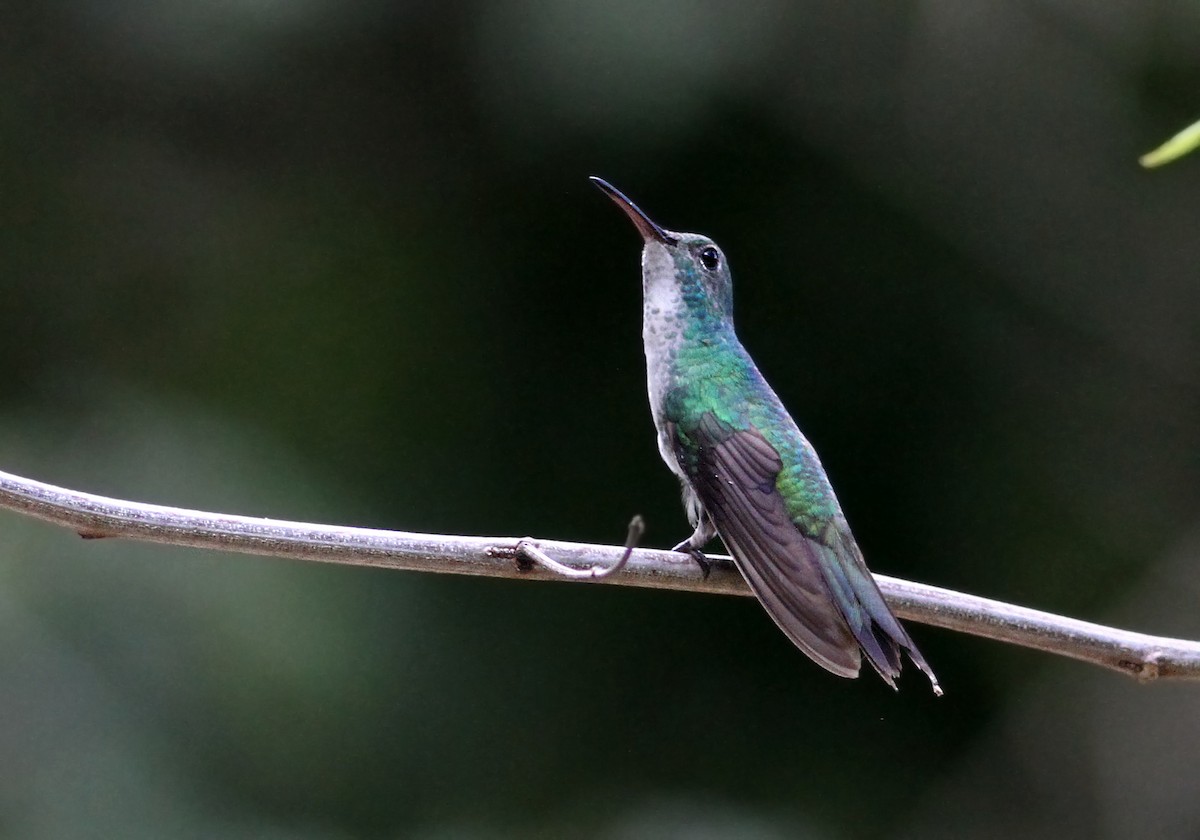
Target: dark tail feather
879 633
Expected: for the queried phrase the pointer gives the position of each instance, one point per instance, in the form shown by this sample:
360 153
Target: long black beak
641 221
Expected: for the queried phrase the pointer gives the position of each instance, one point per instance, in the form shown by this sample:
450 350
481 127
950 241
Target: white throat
662 316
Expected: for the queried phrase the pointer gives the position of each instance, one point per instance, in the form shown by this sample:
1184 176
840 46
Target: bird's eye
710 258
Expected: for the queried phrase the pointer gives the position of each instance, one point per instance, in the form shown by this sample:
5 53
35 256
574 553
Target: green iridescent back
713 374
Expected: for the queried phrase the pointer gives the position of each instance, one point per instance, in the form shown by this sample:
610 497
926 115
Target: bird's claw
696 554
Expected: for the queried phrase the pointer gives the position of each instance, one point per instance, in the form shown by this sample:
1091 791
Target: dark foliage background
339 261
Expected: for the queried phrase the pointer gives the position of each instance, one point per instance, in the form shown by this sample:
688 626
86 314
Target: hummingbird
748 474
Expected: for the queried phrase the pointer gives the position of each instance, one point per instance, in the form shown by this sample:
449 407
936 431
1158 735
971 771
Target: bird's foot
696 554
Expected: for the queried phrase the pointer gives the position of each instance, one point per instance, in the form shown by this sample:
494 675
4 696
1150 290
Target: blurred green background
340 262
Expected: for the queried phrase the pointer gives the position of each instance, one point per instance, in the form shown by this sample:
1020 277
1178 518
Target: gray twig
1136 654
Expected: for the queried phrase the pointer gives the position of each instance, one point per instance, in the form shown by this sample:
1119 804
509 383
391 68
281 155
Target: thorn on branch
528 553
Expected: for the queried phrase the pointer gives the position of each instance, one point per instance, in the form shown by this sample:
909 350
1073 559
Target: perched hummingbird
748 473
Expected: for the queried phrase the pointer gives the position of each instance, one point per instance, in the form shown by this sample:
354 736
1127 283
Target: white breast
661 314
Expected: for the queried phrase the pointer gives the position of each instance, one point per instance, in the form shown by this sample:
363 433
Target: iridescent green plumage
748 473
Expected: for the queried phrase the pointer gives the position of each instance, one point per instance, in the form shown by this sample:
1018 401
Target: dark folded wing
815 586
734 476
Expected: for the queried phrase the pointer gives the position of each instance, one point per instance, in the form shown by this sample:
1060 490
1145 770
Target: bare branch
1136 654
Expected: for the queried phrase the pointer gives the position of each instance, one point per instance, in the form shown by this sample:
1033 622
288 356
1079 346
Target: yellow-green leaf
1177 146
